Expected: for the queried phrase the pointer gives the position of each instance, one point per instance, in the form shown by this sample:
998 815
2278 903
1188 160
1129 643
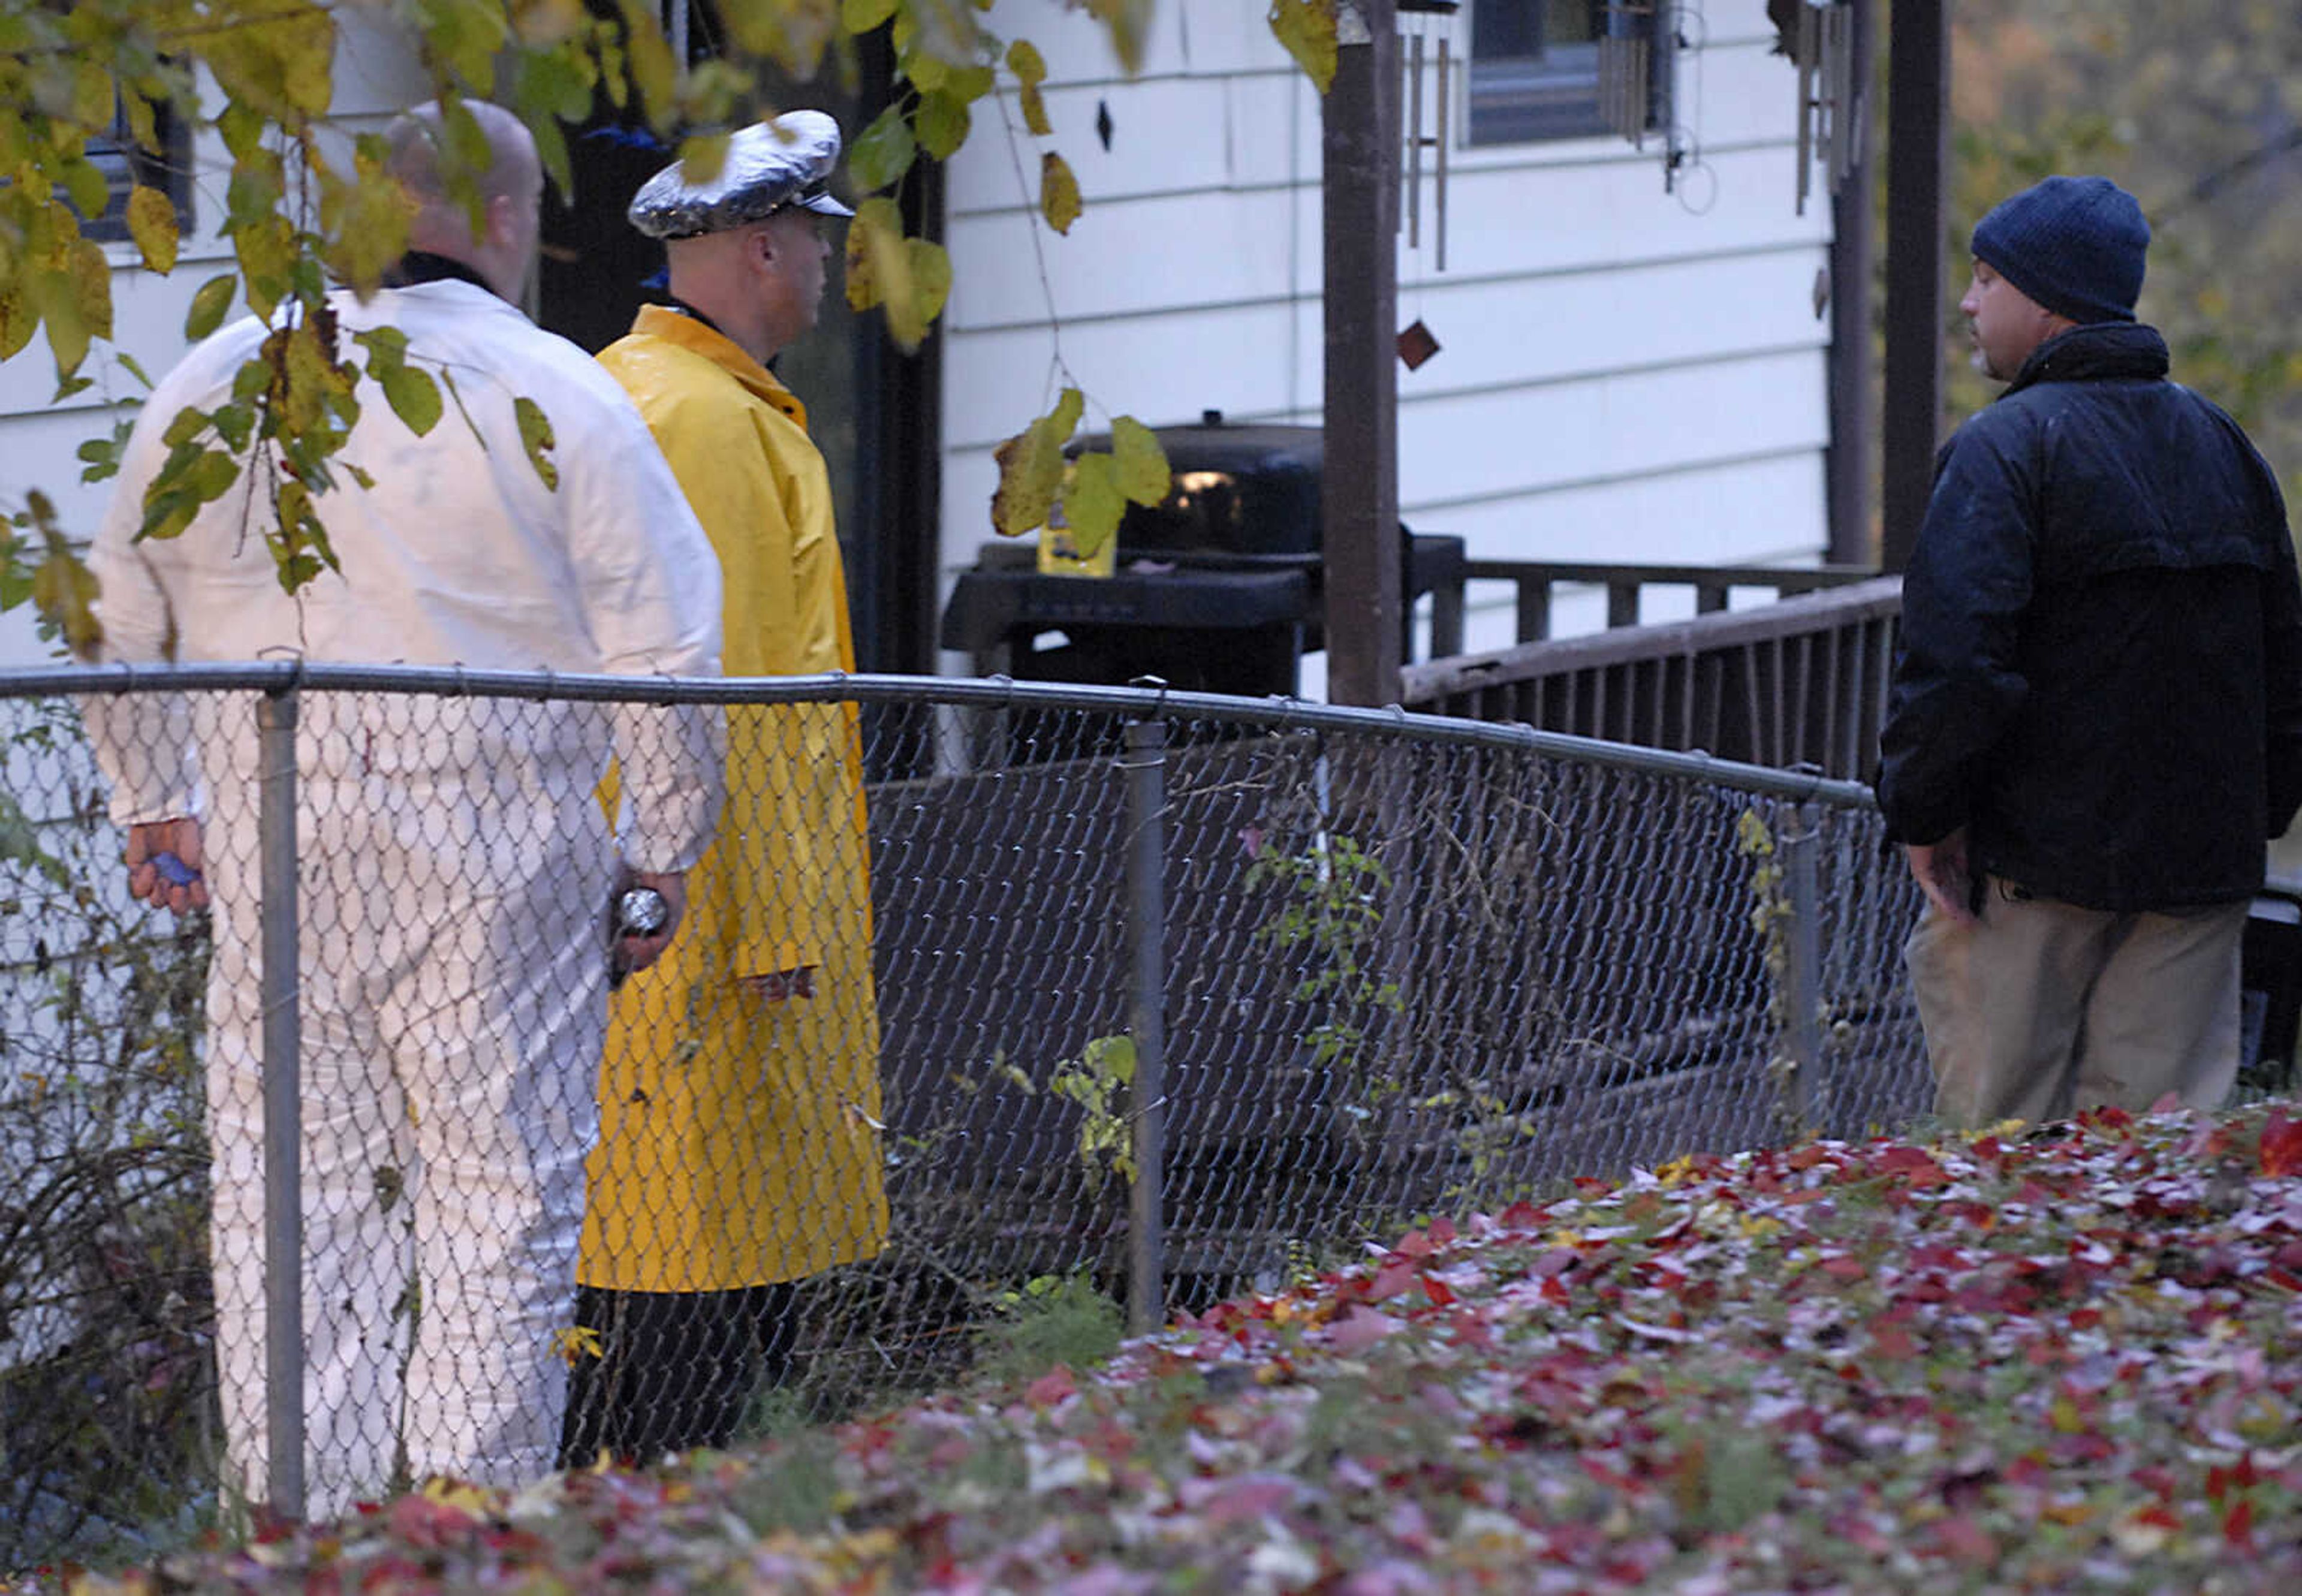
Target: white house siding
374 77
1625 373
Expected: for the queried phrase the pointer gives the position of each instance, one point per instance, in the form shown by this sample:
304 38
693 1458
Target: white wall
1623 375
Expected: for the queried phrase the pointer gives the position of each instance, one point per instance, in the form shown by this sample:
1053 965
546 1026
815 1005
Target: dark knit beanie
2073 244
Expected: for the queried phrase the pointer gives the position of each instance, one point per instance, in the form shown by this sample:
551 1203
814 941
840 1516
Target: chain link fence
982 986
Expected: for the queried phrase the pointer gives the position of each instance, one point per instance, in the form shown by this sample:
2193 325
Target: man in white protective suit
457 867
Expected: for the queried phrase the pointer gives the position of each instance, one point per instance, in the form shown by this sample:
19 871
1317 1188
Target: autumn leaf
1092 503
535 436
2281 1145
1144 475
1031 70
152 223
1059 192
1307 29
1031 469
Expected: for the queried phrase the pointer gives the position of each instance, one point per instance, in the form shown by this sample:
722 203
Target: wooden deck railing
1799 681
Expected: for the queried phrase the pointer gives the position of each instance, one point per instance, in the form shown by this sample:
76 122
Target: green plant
1329 919
1050 1319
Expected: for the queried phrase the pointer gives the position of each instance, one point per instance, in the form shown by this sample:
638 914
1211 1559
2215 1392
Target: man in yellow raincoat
739 1097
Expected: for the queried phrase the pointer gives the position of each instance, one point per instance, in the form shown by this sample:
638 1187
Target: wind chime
1829 99
1417 343
1626 72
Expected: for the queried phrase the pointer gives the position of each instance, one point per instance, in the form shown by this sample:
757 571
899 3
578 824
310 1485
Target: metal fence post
283 1201
1803 980
1146 926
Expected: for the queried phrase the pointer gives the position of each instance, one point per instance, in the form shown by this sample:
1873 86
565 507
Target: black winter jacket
2100 674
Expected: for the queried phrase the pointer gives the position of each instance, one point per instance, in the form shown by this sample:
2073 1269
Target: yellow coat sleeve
782 833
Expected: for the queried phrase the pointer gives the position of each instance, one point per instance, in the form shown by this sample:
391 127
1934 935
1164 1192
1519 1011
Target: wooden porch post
1918 164
1359 492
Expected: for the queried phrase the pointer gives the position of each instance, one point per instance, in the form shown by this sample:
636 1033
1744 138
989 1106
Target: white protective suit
454 877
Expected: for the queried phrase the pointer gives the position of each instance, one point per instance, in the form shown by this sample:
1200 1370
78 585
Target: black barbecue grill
1217 588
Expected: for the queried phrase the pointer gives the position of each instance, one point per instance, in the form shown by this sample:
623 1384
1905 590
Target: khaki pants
2042 1010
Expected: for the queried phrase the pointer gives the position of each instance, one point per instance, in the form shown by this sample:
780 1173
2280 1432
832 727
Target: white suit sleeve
142 741
651 591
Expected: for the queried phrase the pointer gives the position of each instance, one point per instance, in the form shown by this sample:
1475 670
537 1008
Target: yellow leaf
1127 22
18 320
1031 469
908 277
1307 29
535 434
930 265
58 297
541 22
862 16
1034 111
1144 475
64 589
92 279
1092 503
1059 192
654 72
477 1500
152 223
1024 60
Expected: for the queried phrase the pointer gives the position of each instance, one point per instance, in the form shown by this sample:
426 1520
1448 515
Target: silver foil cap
770 166
640 912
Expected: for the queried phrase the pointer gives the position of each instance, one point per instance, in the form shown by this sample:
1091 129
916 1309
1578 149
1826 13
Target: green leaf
862 16
152 223
209 305
415 397
1031 468
1144 475
942 122
535 436
1059 192
1307 29
883 152
1093 503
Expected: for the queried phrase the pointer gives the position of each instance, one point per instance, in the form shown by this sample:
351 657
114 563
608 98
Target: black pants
674 1370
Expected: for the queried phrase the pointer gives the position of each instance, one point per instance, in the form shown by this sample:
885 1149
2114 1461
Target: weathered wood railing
1799 681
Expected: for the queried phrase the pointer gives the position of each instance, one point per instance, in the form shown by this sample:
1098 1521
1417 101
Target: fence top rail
1666 575
279 677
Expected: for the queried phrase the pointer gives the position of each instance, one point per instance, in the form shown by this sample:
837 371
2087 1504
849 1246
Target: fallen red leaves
2066 1361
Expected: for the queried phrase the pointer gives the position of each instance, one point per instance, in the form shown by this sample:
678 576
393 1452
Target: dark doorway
871 409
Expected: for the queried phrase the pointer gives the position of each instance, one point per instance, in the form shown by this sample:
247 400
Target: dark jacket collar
420 265
2099 352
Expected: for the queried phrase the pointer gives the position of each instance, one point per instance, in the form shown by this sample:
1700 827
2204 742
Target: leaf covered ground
2066 1360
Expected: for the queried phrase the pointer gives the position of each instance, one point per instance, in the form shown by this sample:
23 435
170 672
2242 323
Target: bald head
509 188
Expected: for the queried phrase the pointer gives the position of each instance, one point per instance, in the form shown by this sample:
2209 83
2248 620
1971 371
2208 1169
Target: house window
125 164
1536 68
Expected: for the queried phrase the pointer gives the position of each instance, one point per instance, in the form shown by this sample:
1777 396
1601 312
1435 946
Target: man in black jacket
2097 716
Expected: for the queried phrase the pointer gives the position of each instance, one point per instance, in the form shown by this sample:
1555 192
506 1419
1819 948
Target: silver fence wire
980 988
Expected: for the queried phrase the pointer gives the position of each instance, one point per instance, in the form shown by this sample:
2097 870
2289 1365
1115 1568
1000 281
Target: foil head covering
770 166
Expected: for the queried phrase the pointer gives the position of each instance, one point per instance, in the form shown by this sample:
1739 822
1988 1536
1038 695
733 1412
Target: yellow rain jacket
739 1137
